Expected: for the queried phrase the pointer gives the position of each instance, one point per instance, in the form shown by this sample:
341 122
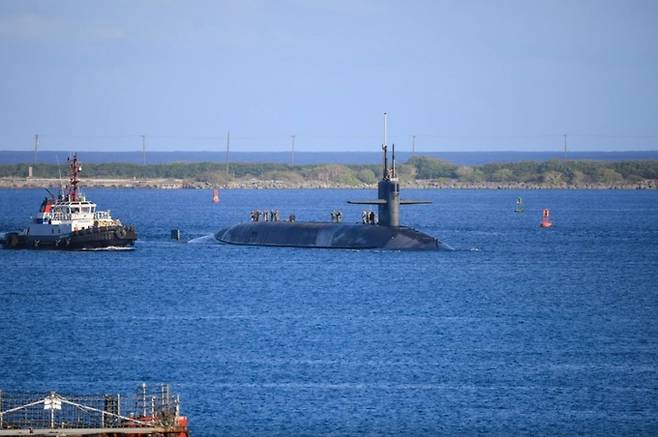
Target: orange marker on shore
545 220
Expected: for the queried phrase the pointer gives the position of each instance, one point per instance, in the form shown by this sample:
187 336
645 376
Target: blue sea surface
519 330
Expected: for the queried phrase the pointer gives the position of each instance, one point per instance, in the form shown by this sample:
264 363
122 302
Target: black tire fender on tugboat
35 244
12 241
120 233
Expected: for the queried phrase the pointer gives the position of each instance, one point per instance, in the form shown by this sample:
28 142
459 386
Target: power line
578 141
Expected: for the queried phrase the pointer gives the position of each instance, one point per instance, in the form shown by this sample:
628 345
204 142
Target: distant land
305 158
419 171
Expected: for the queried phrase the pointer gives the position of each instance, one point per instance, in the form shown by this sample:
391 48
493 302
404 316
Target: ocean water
519 330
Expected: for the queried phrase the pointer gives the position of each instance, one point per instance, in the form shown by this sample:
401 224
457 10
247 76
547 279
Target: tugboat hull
328 235
90 238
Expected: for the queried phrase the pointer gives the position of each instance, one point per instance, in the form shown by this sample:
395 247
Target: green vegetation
572 172
548 173
430 168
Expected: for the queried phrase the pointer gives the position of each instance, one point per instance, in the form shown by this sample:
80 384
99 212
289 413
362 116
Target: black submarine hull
328 236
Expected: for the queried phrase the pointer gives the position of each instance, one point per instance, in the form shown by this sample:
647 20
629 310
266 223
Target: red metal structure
74 172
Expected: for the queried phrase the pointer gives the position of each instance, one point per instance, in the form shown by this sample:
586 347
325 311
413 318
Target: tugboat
385 233
71 222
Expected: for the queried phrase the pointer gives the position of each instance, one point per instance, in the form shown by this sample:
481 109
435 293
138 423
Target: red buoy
545 220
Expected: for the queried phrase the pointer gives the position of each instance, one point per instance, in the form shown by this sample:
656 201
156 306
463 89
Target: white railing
102 215
60 216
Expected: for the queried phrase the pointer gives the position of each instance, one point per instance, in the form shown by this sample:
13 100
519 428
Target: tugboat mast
74 180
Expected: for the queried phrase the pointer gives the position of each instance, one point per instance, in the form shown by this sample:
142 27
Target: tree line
418 168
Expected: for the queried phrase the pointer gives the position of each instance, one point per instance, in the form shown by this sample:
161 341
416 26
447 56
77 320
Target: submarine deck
327 236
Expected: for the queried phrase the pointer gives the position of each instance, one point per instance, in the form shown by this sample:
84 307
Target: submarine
386 234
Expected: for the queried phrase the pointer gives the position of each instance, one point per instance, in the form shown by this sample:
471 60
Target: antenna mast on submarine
393 162
388 173
385 147
385 129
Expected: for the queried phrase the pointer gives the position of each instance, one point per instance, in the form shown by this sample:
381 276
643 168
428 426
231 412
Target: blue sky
460 75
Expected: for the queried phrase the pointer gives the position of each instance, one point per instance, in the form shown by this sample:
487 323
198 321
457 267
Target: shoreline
257 184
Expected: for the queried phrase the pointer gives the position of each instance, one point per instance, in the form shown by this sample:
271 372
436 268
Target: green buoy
519 205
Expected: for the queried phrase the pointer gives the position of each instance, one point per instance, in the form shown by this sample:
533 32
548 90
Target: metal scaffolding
150 411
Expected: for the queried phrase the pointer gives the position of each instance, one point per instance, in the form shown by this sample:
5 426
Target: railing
102 215
156 408
60 216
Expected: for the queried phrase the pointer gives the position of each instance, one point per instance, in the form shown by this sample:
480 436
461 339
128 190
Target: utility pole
292 150
228 142
36 148
565 146
144 150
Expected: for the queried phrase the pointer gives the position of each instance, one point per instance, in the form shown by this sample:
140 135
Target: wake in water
464 249
206 239
107 249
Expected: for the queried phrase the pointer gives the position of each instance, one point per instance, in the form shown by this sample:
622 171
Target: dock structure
149 412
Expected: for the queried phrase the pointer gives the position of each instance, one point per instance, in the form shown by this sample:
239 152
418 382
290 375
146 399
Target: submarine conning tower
388 190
